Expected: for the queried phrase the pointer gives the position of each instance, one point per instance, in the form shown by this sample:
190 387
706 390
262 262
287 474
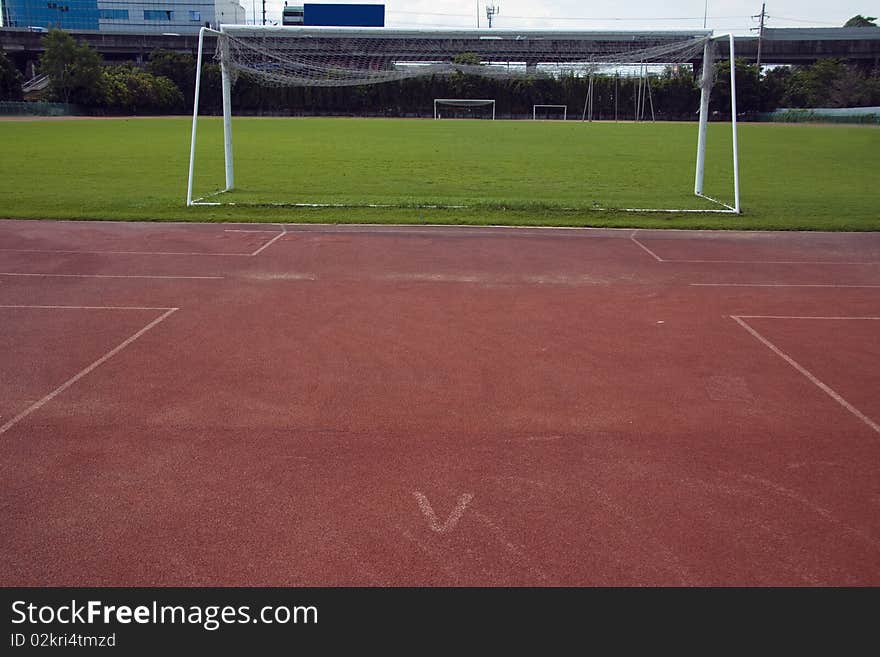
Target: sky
723 15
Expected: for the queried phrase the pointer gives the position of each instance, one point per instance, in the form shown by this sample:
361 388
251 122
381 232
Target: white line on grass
197 278
103 359
740 319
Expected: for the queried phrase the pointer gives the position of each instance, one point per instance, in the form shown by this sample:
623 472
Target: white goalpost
462 102
564 109
299 56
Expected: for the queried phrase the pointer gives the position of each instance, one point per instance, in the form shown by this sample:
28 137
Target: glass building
128 16
64 14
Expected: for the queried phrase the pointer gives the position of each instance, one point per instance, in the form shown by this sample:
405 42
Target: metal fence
857 115
14 108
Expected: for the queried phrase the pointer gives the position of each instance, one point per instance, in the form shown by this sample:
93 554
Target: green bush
131 90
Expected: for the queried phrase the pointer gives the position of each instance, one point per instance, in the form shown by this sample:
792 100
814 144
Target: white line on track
173 253
874 319
632 238
440 230
241 230
271 241
79 375
87 307
772 262
196 278
740 319
777 285
259 250
450 523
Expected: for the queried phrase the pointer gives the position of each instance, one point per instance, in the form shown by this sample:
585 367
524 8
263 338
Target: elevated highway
859 45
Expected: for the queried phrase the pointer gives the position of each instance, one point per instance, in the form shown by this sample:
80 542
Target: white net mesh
333 57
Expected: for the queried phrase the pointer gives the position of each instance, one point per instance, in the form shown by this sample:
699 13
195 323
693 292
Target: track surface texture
322 405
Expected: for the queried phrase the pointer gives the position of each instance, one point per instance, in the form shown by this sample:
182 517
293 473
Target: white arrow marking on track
453 518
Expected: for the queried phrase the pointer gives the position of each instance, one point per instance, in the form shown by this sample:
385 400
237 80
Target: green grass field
506 172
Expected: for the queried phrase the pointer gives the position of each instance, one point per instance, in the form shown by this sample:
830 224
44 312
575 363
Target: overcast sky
723 15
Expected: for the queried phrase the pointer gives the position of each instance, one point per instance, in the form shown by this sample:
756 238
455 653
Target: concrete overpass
857 45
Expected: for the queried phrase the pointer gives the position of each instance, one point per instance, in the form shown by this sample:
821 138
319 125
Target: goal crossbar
292 56
463 102
564 109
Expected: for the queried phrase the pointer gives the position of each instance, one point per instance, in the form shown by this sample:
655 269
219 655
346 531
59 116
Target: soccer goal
463 108
350 57
549 110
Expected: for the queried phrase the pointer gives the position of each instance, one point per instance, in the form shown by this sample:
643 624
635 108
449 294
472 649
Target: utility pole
264 12
491 11
762 17
478 13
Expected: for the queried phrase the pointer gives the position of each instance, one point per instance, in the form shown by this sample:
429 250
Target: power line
569 18
803 20
617 19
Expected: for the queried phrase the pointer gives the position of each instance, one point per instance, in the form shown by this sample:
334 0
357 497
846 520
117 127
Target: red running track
319 405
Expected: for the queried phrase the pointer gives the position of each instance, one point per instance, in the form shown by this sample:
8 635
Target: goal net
271 56
463 108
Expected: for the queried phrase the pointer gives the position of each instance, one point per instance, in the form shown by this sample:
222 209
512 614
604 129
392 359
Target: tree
10 79
676 94
131 90
74 70
748 93
861 21
180 68
774 82
467 59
